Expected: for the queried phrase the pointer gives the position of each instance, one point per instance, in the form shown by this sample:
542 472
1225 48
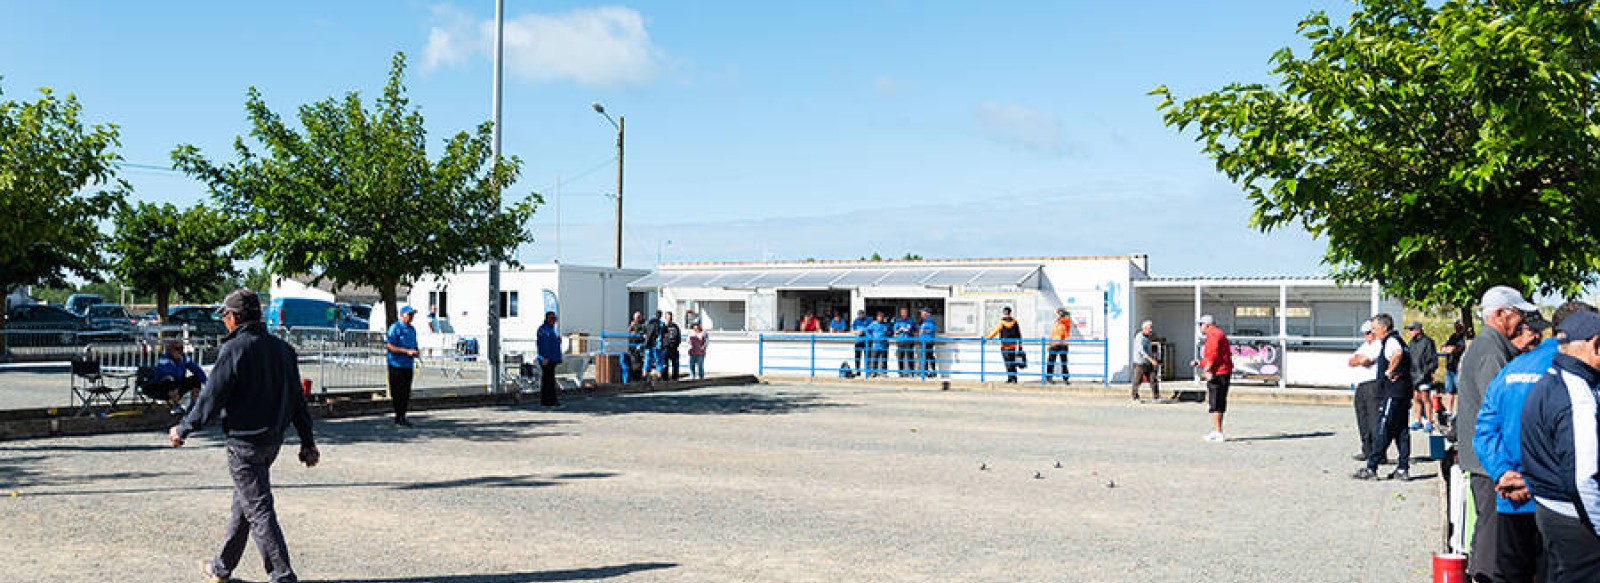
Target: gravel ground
758 483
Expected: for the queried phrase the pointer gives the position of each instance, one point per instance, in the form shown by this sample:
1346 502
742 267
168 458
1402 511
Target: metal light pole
620 123
493 344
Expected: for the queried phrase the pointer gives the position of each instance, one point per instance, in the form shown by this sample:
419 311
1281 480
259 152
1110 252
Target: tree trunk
391 307
163 294
5 307
1466 320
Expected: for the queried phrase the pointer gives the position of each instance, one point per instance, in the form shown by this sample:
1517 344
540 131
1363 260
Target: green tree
1439 151
162 250
352 197
57 177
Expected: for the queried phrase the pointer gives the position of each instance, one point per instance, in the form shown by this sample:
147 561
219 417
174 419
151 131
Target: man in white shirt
1364 379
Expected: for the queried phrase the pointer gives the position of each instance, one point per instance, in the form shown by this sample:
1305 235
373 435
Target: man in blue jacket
548 342
905 348
1561 453
254 392
400 344
878 335
1519 555
859 328
926 330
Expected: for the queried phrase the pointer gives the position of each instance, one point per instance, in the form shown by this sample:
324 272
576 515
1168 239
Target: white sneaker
1215 436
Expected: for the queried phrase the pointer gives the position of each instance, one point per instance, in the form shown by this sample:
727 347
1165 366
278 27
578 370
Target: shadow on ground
590 574
350 430
24 472
512 481
701 404
1282 436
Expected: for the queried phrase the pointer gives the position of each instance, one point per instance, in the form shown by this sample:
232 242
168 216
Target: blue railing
982 359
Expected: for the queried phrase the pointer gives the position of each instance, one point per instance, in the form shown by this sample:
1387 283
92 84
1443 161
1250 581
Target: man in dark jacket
1393 369
652 343
671 338
548 342
254 391
1559 442
1424 361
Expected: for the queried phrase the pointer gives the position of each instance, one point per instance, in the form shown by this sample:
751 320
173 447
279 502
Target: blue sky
755 129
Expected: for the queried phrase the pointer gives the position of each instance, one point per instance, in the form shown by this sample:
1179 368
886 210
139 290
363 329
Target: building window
508 304
439 302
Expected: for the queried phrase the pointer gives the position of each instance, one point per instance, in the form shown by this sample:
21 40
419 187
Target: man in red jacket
1216 367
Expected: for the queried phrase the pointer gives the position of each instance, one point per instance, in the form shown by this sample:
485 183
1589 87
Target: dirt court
755 483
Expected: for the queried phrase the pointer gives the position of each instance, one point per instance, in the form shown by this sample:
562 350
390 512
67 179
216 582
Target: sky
755 130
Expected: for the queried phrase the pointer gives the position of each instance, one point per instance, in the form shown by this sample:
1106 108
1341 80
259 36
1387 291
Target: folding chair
89 386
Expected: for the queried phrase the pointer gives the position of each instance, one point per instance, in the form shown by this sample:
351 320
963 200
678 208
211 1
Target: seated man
170 378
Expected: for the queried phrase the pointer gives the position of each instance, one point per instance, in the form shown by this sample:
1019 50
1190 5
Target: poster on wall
1257 361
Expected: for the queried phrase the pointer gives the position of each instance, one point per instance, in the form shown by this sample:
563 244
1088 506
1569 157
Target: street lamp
620 123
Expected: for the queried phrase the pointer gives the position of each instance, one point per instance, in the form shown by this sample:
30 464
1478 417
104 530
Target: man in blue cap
401 345
1561 453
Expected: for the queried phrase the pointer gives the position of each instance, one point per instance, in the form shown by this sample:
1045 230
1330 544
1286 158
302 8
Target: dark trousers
1393 413
1366 404
1484 547
1519 552
157 391
1143 371
1572 551
253 515
1056 353
906 352
669 360
1010 356
861 349
930 363
549 395
400 390
880 359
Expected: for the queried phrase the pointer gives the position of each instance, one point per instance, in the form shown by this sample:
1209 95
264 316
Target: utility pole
493 344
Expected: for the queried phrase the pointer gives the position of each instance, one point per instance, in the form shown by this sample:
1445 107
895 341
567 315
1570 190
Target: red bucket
1450 568
305 388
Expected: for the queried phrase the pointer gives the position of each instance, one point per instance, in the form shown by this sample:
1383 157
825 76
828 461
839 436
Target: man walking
1060 332
1145 364
254 391
1010 333
1559 443
401 345
1424 362
1394 402
1503 311
1498 441
547 340
1216 367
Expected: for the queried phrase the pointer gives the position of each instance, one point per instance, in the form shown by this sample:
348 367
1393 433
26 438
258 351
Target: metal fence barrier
980 359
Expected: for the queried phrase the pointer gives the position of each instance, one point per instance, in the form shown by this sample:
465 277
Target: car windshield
107 312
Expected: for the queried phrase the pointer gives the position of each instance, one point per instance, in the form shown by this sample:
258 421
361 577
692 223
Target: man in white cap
1364 380
1503 310
1216 367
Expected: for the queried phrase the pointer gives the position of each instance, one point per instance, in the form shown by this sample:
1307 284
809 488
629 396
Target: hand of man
174 437
1511 486
309 455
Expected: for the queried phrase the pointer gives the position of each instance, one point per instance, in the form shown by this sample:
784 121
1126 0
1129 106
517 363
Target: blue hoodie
904 327
548 341
878 332
1498 437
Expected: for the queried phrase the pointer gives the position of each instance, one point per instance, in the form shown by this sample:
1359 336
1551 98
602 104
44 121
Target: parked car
109 317
44 325
79 303
311 313
201 320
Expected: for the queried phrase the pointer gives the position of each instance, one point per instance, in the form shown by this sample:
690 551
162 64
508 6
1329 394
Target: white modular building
587 299
1287 330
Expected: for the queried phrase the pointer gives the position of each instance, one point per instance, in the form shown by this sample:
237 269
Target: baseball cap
1536 321
407 310
1504 297
926 310
242 302
1579 326
1207 319
1366 327
1005 310
1414 326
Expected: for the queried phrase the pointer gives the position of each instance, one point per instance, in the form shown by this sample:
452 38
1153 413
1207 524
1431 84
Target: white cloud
595 46
1030 129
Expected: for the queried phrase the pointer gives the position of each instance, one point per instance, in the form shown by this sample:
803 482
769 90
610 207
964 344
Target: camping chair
89 386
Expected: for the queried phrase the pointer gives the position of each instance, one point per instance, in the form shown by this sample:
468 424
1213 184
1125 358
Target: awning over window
1008 276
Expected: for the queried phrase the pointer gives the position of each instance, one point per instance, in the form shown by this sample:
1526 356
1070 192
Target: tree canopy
351 195
162 250
1438 150
57 179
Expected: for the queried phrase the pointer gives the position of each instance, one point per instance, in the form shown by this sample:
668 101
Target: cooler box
1436 447
607 369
